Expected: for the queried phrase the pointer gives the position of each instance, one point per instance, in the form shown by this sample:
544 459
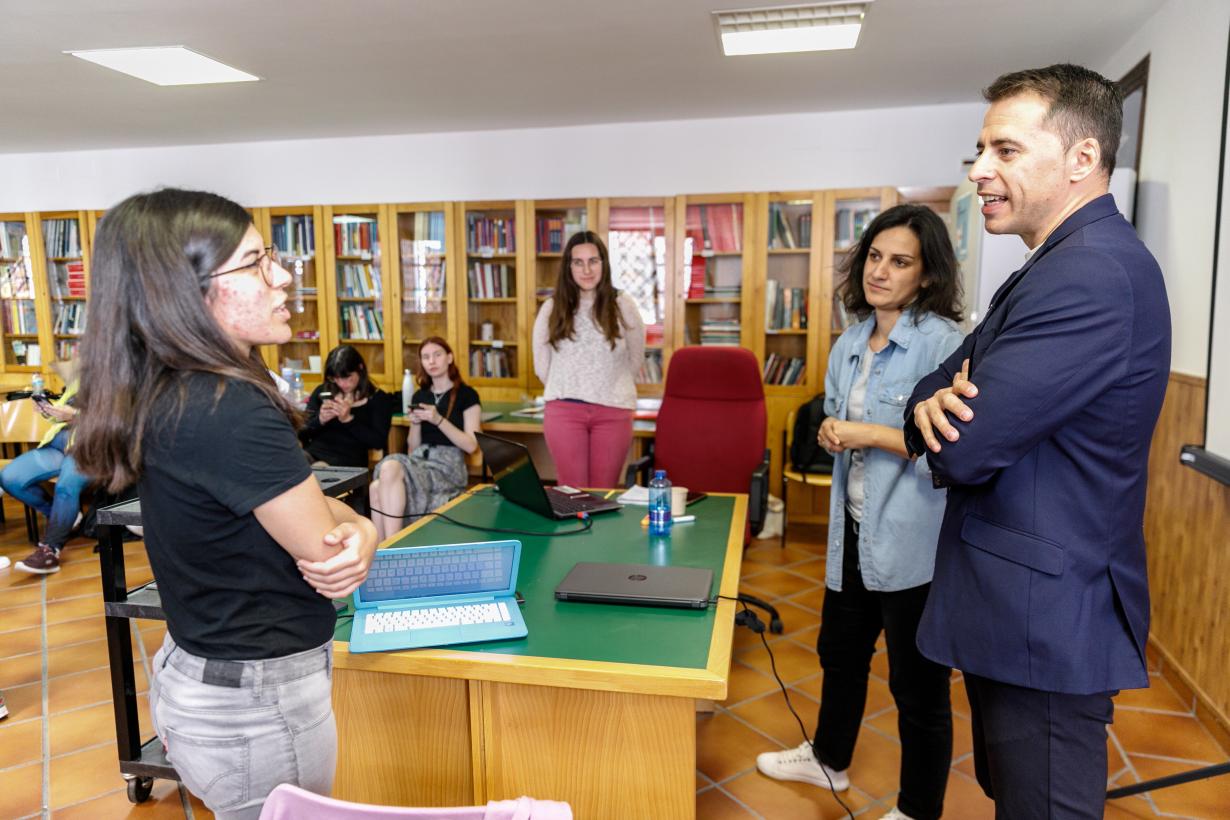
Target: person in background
902 279
346 415
24 476
1040 426
445 414
246 549
589 342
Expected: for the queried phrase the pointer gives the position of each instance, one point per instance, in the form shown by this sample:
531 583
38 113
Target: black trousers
1039 754
851 621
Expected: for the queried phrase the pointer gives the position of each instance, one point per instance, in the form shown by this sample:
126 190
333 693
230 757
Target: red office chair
711 428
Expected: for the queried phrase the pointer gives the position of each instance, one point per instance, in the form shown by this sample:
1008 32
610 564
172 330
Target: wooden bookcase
714 250
60 247
357 265
430 278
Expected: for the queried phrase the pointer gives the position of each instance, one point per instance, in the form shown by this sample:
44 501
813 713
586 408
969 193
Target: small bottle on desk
659 505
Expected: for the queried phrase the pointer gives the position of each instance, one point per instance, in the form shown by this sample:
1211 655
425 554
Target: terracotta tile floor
58 755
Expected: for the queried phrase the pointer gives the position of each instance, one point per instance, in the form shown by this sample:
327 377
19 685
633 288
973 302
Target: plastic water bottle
37 387
407 391
296 386
659 504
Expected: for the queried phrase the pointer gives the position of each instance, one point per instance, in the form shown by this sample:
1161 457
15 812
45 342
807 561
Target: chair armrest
641 466
758 502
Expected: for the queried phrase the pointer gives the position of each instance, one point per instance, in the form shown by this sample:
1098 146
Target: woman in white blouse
589 340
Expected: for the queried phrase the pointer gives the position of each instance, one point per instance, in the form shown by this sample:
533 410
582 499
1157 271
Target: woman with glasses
347 415
589 341
246 549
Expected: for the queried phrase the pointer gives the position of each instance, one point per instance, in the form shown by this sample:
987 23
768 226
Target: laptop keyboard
475 568
567 504
432 617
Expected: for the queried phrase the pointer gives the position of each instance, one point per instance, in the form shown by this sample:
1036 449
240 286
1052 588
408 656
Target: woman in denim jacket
884 518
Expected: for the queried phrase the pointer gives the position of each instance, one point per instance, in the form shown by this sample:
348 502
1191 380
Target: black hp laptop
518 480
638 584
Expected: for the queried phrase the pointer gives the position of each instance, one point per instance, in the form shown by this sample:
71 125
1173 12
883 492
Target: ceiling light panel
166 65
782 29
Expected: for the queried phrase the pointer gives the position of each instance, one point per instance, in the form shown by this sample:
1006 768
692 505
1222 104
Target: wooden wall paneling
1187 532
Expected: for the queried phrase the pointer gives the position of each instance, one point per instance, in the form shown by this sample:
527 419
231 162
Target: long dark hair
454 374
153 256
341 362
942 293
568 296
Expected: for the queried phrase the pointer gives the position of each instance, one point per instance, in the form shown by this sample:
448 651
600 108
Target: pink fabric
588 442
288 802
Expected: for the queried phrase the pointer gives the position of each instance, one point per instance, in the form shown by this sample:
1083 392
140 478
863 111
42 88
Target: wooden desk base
411 740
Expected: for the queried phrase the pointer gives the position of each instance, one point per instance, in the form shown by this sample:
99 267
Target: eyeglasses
263 263
581 264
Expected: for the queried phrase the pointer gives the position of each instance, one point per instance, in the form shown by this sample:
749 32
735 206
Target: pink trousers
588 442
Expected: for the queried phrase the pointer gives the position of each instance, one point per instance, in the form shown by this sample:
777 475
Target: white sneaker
800 764
895 814
5 562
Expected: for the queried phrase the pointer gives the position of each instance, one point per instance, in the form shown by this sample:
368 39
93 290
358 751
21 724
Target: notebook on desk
435 596
518 480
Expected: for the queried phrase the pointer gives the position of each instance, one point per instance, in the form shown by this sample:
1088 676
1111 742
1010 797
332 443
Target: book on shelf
363 322
67 349
655 333
494 234
428 228
358 236
720 332
13 240
780 235
851 222
554 231
293 236
784 308
60 238
66 279
358 280
489 363
69 318
20 317
784 370
492 280
422 274
842 317
651 368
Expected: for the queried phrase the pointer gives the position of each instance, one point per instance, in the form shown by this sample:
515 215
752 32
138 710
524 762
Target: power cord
587 523
747 617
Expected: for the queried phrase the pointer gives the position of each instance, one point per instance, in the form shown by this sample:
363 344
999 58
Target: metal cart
141 762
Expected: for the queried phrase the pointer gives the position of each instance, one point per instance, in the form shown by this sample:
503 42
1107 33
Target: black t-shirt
346 445
466 397
228 589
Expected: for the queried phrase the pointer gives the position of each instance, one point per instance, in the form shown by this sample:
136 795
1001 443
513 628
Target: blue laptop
435 596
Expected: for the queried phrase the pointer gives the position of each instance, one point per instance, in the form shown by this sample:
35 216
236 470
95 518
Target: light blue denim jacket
901 509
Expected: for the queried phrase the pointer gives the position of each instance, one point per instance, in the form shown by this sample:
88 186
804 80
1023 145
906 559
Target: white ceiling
364 67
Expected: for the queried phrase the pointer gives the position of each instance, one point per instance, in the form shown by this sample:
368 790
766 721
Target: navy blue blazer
1040 577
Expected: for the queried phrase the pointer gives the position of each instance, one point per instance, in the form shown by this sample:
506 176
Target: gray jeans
234 730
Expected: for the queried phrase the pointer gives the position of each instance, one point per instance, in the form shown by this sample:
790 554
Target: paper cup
679 501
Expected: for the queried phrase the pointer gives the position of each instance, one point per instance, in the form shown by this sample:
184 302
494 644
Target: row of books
716 228
293 235
651 368
425 227
69 318
67 349
61 238
784 307
720 332
842 318
709 277
782 235
357 279
491 234
489 280
66 279
19 316
851 222
357 236
13 240
554 231
427 275
362 322
490 364
785 370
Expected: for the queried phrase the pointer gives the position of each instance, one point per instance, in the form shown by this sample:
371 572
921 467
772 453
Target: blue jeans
234 730
23 480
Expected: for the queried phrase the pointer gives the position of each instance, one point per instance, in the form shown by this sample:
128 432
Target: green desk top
655 636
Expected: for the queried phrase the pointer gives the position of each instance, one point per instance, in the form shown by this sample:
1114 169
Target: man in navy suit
1040 426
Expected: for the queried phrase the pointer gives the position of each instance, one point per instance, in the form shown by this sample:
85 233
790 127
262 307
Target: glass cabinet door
65 256
711 265
19 322
791 267
422 250
360 287
555 222
295 232
494 341
638 241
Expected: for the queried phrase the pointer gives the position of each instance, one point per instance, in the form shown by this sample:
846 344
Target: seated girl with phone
347 415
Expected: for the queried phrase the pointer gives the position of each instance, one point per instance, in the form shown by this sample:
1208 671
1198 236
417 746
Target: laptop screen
457 569
514 472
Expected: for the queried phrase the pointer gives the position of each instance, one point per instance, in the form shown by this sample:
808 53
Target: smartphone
696 495
326 394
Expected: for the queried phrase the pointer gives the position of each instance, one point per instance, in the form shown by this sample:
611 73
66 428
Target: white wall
1177 195
904 146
